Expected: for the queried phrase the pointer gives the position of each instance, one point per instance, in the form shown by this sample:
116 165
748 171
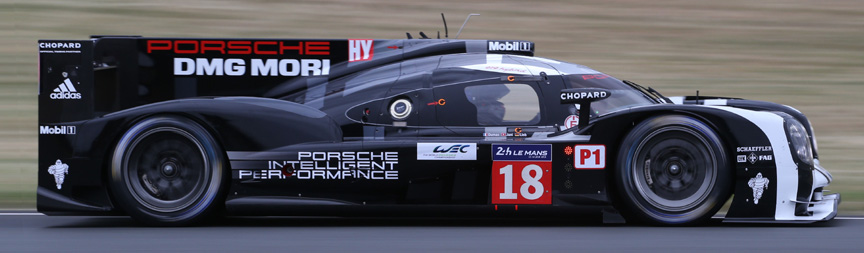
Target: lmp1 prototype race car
171 131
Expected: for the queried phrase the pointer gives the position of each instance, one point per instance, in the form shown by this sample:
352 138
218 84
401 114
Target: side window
504 104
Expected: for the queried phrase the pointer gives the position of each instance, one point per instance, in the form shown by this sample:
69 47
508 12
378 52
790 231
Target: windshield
623 95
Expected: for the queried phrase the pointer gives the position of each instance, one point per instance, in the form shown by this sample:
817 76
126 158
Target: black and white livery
174 130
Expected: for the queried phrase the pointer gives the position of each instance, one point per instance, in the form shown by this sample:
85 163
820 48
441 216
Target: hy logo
360 50
458 148
66 90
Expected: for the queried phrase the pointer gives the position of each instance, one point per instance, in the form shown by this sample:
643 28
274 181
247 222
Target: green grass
804 53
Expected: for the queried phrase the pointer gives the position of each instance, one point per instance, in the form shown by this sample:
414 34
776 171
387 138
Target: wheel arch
616 127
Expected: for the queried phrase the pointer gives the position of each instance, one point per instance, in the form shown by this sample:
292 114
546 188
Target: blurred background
808 54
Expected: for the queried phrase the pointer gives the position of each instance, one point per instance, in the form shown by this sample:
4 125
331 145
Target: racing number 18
532 178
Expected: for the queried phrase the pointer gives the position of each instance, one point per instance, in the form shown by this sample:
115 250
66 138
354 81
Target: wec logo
460 148
446 151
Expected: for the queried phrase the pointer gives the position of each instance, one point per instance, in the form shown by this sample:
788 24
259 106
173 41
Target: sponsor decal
446 151
753 158
595 76
66 90
216 66
521 46
571 121
330 166
60 47
239 47
570 97
523 174
63 45
590 156
754 149
58 130
758 184
360 50
254 67
511 132
522 152
59 171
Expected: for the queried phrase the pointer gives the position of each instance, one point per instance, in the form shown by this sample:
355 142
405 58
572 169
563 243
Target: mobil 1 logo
521 174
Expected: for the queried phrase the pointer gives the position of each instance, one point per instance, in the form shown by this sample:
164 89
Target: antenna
463 24
423 35
445 27
409 35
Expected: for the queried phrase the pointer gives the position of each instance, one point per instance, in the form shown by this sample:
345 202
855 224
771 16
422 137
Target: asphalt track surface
29 232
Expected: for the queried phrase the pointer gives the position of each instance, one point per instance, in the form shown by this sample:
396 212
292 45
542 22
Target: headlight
800 140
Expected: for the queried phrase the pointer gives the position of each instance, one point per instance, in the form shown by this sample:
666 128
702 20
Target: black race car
173 130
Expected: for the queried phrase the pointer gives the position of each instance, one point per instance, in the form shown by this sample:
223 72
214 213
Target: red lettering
158 45
584 154
193 50
318 48
257 45
239 47
298 47
596 156
213 45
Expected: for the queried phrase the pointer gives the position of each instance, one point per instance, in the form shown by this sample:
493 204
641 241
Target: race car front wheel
673 170
168 171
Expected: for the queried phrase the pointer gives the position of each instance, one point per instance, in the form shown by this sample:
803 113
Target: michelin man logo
758 184
59 170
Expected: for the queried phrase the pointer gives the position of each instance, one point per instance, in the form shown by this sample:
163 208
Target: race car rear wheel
673 170
168 170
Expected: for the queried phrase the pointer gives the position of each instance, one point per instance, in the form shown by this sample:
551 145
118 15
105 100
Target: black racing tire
673 170
168 171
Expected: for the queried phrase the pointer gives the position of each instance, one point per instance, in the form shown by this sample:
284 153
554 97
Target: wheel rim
674 169
167 169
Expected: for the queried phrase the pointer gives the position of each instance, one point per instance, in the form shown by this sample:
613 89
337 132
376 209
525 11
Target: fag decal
360 50
590 156
522 174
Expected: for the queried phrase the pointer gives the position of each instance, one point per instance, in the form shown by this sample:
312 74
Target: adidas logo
66 90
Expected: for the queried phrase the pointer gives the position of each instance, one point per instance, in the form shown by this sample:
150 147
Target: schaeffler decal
758 184
59 170
447 151
753 149
330 166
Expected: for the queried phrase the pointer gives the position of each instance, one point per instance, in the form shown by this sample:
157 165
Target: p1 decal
590 157
522 174
360 50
